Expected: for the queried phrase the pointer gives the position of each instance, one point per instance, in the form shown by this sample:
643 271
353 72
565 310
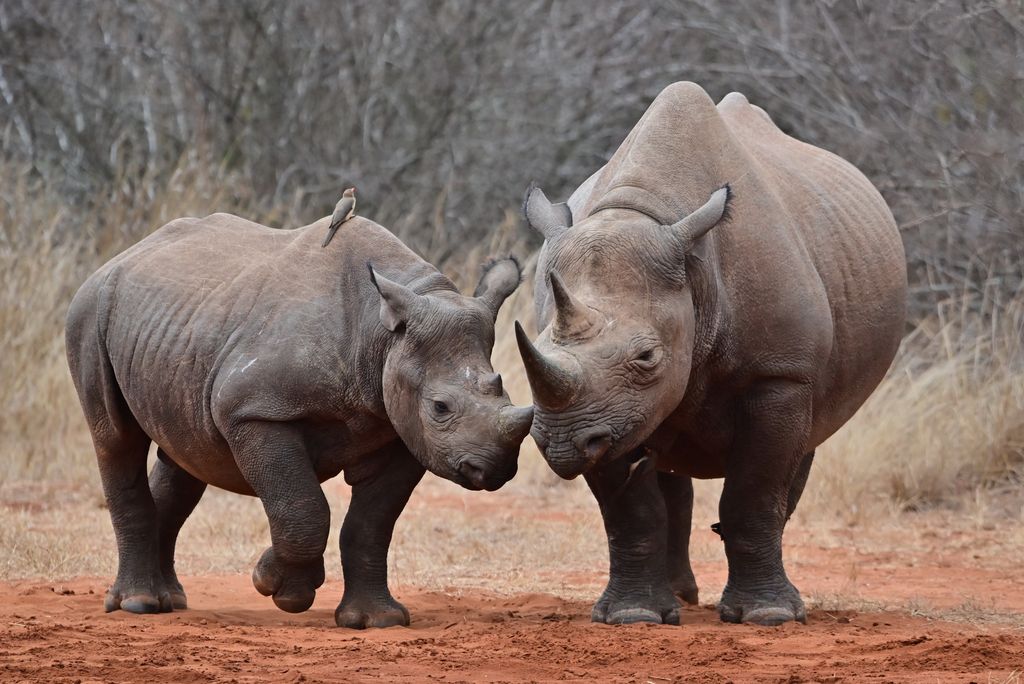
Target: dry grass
47 248
536 537
447 537
946 424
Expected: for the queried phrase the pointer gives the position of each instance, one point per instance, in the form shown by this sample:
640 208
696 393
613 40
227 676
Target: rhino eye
441 408
646 359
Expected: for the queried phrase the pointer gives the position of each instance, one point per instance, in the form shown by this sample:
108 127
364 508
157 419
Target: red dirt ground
58 633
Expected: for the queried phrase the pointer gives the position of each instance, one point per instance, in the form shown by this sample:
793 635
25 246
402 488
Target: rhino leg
635 521
796 489
274 461
139 587
176 494
678 494
376 503
121 451
764 476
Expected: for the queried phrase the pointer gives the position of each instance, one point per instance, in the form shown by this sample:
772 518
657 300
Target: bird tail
330 232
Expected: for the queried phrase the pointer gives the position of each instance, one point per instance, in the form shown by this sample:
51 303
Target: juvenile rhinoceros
715 301
263 364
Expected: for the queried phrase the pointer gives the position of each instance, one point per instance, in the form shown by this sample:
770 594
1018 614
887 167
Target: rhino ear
546 218
396 301
697 224
499 279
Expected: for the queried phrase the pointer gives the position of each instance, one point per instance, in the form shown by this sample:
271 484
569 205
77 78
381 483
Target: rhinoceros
261 363
714 302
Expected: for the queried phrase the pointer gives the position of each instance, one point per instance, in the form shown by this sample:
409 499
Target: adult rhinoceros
261 363
715 301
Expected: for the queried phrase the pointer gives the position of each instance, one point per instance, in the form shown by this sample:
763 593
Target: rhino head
618 328
440 391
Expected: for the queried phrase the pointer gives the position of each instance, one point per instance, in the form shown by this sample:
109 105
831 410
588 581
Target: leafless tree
442 111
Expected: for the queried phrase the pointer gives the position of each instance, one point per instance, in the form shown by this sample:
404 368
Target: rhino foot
177 592
624 609
178 600
769 608
152 596
362 612
292 586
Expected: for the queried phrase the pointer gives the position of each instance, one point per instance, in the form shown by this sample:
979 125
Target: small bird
343 211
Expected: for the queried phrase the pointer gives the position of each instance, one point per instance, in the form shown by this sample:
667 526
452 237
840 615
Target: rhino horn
552 386
514 422
573 318
490 383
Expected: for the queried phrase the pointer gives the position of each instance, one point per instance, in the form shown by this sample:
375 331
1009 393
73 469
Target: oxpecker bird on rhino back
715 301
266 361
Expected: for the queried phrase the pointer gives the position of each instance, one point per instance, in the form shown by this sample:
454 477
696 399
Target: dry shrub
48 246
38 414
947 420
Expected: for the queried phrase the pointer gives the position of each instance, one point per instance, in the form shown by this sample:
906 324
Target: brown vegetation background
118 116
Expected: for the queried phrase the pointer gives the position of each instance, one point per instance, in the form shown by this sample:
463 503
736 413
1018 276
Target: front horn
552 386
514 422
573 318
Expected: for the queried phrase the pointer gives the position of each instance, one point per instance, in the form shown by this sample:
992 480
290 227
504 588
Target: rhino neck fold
706 290
371 349
422 278
640 200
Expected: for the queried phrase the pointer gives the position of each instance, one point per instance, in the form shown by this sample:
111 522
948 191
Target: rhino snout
482 473
574 457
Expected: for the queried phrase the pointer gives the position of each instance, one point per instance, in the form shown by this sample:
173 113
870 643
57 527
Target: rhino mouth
568 464
567 470
572 458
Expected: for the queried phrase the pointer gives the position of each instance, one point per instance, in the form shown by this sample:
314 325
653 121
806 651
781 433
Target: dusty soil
923 597
52 632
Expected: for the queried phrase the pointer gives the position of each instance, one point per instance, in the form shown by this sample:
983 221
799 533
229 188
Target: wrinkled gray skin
263 364
694 330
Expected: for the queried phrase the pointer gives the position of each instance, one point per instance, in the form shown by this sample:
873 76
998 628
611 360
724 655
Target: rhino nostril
598 447
595 443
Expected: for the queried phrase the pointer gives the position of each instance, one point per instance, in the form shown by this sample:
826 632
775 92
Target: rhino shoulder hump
685 101
686 91
737 107
734 99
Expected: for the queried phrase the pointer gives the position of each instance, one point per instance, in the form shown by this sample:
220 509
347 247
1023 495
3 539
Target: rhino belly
213 464
177 422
